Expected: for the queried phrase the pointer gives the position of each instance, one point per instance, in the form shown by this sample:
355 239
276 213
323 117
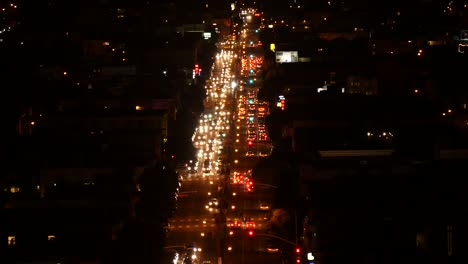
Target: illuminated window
11 240
106 43
14 189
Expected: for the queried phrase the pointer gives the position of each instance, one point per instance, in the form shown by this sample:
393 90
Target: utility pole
295 223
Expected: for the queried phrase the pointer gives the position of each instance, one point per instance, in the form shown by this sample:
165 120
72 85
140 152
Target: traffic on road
220 210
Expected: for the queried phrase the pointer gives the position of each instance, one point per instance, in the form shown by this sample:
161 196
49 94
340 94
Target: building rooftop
354 107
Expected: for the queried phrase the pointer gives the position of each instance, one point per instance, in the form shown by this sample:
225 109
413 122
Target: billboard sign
207 35
287 56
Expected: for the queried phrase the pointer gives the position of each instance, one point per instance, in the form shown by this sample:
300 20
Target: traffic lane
259 218
243 164
193 184
259 194
253 258
245 248
248 207
205 246
196 187
181 238
194 225
192 220
194 204
253 201
191 206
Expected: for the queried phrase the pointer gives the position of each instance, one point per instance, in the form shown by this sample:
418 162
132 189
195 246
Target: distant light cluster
4 12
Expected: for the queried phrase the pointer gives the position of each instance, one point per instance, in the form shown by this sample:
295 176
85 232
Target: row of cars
214 123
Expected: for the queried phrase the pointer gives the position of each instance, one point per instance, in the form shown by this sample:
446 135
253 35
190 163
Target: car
250 224
211 208
206 171
189 246
213 201
250 154
272 248
187 260
251 137
264 206
235 225
192 170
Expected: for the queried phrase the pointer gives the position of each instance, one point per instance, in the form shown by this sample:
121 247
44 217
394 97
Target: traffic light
251 81
250 143
251 233
297 250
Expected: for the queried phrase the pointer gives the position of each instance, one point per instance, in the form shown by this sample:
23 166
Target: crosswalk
197 178
184 223
181 227
188 220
